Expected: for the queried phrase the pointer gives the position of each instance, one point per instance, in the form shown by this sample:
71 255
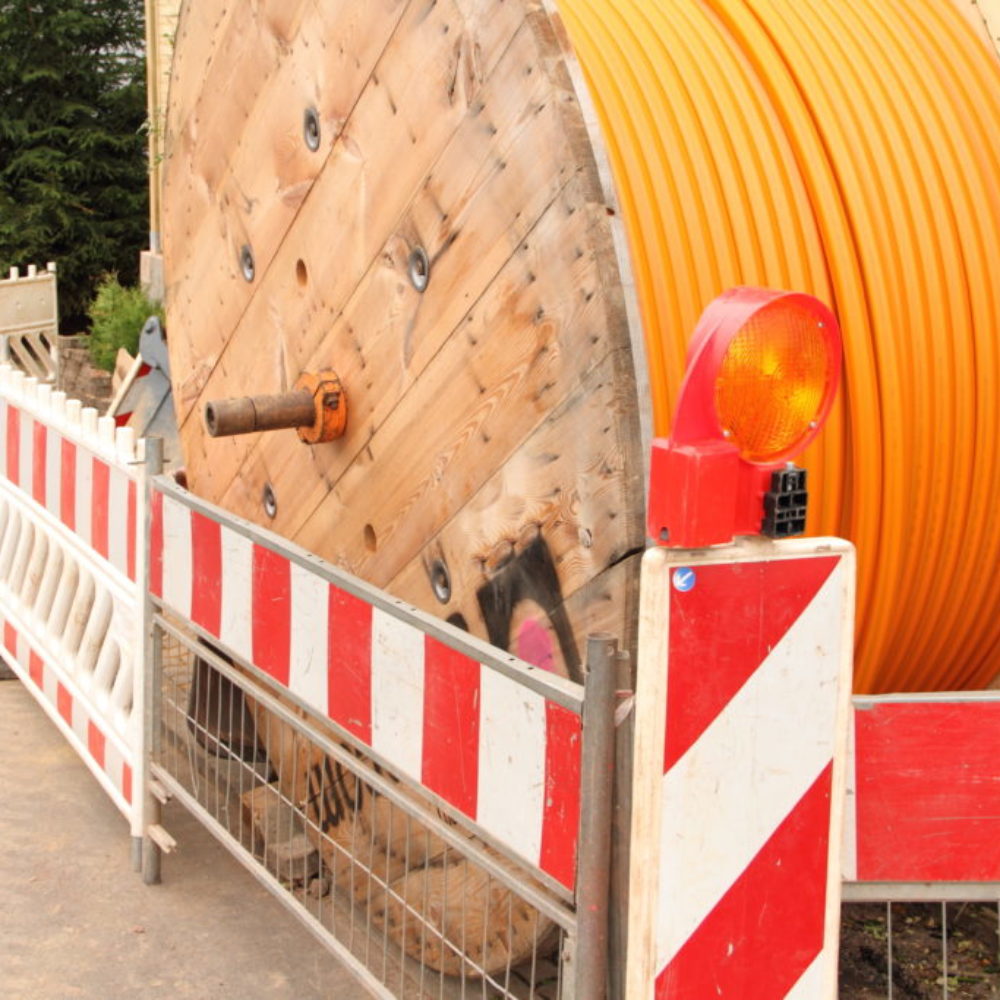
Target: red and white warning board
742 703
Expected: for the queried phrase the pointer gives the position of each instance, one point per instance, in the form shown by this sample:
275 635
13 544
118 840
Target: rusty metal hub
316 407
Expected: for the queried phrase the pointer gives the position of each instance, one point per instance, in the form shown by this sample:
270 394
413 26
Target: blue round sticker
684 580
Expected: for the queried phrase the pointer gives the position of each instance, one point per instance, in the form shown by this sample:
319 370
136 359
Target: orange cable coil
849 150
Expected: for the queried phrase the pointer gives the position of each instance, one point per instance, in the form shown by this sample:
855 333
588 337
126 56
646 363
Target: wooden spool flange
412 189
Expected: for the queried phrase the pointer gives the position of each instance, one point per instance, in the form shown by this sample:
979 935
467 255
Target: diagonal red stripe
768 929
723 628
349 663
272 613
451 726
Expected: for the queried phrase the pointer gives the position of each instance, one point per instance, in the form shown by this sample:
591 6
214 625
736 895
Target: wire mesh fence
417 904
920 951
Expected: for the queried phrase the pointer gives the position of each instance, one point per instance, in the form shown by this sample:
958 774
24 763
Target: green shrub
117 316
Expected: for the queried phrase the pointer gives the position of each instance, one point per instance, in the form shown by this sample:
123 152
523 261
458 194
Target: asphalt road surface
76 921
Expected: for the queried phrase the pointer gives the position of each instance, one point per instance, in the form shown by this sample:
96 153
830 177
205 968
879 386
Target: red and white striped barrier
98 744
73 465
491 737
923 791
69 543
741 725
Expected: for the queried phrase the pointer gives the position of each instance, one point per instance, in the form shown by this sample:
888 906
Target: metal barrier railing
398 891
437 784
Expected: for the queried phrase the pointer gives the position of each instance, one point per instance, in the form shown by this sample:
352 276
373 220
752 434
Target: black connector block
785 504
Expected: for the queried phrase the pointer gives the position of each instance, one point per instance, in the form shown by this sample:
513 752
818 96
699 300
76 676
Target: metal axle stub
316 407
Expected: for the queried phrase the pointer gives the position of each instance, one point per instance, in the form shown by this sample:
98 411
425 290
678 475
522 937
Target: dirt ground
973 971
77 922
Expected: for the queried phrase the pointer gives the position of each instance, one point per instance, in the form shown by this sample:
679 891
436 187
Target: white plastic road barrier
742 706
29 322
69 542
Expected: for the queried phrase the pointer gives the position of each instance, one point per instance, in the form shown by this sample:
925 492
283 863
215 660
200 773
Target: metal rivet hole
419 267
246 262
310 128
270 501
441 581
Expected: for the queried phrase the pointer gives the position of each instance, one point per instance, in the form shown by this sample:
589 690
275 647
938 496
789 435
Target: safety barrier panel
923 798
492 743
69 544
742 710
29 322
740 738
476 728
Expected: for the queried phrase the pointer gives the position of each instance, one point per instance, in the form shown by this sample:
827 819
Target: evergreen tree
73 183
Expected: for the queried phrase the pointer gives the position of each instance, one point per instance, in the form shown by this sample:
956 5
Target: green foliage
73 182
117 315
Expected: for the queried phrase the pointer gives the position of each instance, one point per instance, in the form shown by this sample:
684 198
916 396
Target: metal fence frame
582 913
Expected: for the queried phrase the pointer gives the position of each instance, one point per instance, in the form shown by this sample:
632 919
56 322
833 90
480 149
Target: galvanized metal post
596 788
150 672
621 835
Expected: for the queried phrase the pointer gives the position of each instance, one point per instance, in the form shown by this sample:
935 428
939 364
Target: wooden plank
243 179
412 103
208 209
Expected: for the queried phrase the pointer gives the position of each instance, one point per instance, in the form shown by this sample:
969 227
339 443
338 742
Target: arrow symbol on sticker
684 580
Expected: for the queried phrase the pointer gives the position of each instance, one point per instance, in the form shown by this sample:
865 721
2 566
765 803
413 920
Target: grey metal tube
151 855
596 789
247 414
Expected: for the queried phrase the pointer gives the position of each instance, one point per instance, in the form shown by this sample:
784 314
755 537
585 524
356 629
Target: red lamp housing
763 371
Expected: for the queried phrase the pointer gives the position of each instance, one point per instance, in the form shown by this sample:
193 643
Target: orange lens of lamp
774 382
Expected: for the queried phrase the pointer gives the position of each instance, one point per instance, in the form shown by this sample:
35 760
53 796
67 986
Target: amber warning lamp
763 371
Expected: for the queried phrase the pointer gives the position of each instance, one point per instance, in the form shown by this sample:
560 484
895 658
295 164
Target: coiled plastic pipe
851 151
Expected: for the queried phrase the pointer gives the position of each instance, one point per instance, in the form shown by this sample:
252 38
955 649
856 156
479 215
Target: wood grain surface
493 437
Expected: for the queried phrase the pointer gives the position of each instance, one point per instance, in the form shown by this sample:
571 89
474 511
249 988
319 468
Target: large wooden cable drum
492 469
492 225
